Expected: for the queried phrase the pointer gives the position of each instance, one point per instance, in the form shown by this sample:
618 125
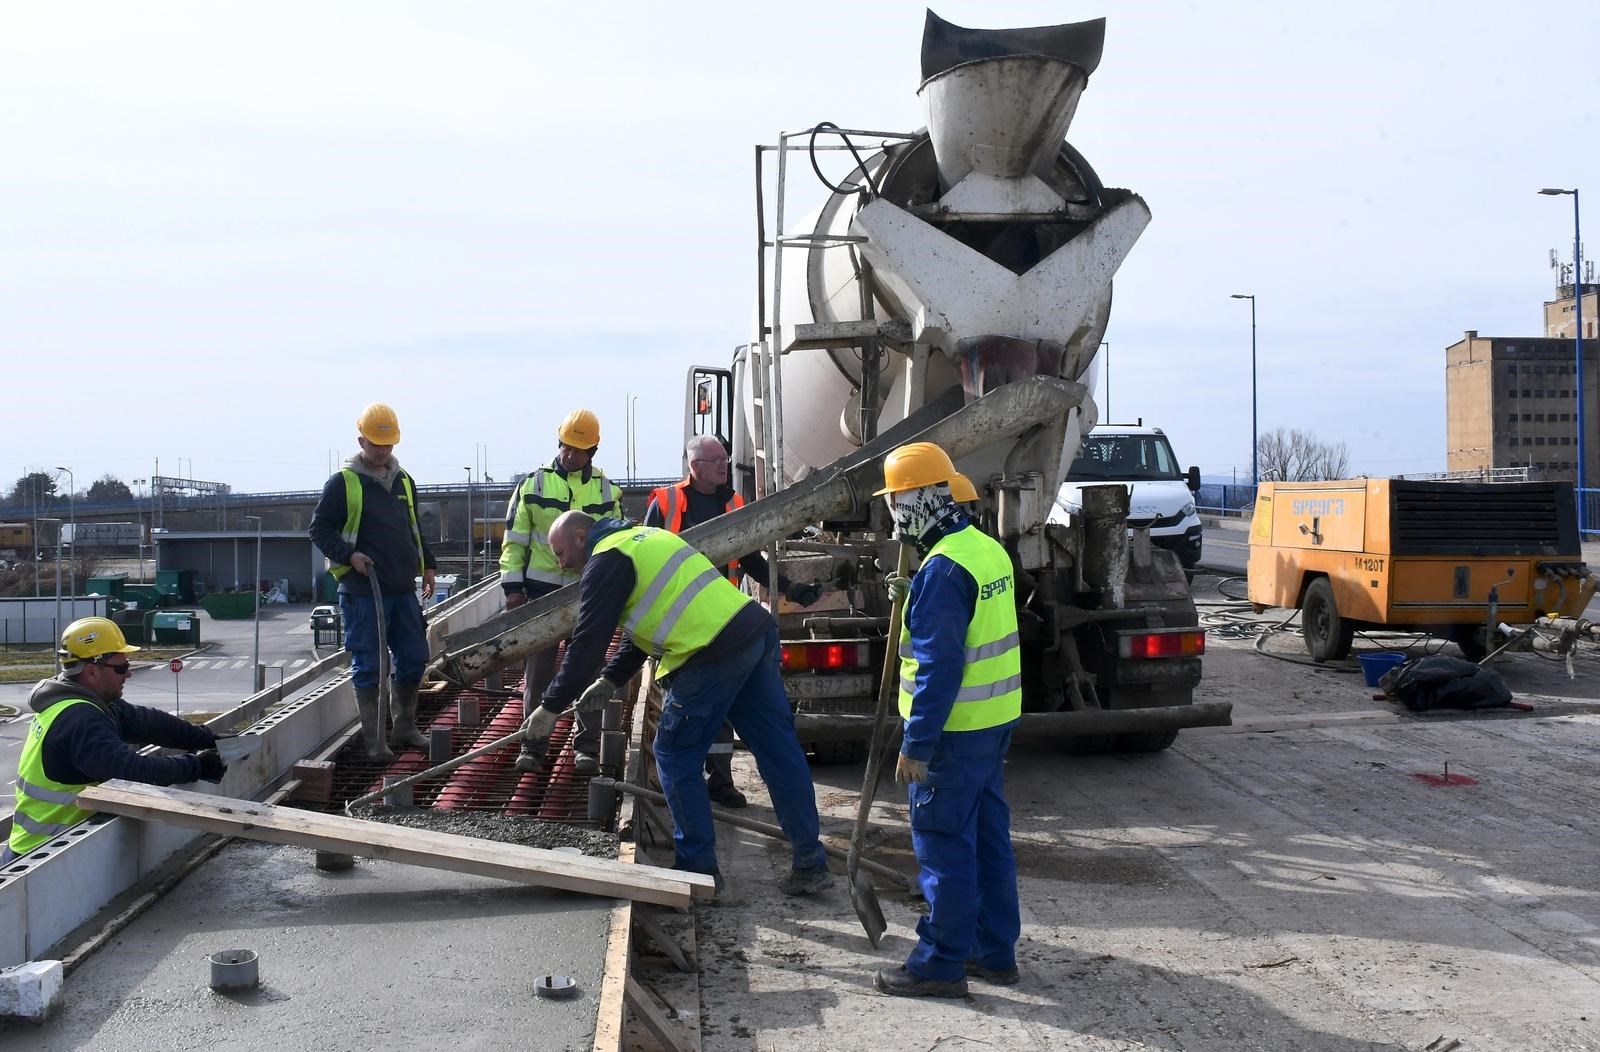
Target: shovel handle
886 689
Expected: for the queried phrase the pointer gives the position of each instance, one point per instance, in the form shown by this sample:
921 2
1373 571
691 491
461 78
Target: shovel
863 896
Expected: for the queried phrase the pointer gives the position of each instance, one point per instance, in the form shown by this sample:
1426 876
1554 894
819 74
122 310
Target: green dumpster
230 606
174 627
141 596
111 584
176 584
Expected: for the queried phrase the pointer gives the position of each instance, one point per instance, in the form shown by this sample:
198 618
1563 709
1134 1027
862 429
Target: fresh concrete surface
383 956
1297 890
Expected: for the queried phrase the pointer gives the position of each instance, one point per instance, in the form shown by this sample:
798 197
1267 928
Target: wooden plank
613 980
418 847
650 1015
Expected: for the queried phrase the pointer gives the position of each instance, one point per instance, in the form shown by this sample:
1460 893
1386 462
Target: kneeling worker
717 654
960 696
84 734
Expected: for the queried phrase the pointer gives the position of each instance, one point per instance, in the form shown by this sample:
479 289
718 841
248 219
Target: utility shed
225 560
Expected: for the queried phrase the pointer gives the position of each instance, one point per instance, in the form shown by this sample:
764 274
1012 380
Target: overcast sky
227 227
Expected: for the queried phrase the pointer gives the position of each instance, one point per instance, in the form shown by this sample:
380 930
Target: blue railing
1223 499
1590 518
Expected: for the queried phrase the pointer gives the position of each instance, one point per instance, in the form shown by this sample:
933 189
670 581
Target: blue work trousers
408 640
961 832
746 691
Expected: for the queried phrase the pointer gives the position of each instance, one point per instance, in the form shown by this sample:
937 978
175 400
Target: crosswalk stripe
240 664
296 663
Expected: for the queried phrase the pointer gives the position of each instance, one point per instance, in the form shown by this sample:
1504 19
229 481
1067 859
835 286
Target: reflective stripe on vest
674 504
679 601
544 496
45 807
352 519
990 694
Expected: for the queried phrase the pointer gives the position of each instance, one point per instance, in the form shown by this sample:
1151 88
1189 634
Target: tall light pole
1105 345
72 519
469 526
57 521
257 673
1255 430
1577 348
139 513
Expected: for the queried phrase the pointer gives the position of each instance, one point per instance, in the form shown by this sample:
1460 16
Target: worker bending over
366 521
529 569
960 696
83 733
701 496
717 660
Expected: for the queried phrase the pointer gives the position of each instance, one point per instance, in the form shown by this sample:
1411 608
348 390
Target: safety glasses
124 669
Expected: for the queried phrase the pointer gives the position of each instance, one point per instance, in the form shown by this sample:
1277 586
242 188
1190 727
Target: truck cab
1161 497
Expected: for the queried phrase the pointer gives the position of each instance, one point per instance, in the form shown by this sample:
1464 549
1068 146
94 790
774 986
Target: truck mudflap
841 727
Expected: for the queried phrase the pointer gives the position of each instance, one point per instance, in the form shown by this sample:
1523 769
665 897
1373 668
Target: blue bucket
1374 665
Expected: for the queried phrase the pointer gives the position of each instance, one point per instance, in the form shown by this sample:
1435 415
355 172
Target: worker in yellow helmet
366 522
529 569
83 733
960 696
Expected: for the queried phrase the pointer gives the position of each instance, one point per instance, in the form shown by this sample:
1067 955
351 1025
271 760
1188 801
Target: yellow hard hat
962 489
378 425
914 465
90 637
580 430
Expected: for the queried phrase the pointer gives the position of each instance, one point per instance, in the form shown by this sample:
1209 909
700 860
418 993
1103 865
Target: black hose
811 150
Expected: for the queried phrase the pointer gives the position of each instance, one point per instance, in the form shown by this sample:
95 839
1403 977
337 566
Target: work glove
803 592
515 599
596 695
537 727
908 771
899 586
211 766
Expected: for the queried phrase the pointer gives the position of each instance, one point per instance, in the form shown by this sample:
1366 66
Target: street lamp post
469 526
57 633
257 673
1255 430
1577 347
72 520
139 514
1105 346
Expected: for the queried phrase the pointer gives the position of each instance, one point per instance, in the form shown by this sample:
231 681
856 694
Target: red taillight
1162 644
813 657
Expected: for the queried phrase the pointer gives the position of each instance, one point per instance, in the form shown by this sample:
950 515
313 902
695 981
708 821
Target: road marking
239 664
296 663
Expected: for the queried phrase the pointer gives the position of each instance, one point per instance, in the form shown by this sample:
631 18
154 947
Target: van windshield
1117 457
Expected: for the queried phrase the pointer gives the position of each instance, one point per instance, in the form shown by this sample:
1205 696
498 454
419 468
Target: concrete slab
381 956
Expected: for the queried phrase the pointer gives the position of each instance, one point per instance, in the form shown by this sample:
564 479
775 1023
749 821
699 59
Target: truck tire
1087 744
1146 741
1469 640
1328 634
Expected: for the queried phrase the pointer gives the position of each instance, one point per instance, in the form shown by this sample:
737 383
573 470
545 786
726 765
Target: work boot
995 976
728 796
530 757
807 880
405 730
371 728
585 762
901 983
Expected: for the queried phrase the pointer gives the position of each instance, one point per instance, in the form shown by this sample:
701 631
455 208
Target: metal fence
1223 499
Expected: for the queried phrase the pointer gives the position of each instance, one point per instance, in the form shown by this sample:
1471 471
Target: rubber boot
371 731
405 732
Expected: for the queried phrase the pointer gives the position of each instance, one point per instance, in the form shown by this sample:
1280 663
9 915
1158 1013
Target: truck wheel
1087 744
1328 634
1146 741
838 752
1469 640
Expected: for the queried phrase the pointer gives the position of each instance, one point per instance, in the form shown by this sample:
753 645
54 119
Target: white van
1161 497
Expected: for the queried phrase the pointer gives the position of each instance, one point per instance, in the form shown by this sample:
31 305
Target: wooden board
434 850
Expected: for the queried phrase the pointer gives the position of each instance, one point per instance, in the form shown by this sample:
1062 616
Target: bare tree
1299 456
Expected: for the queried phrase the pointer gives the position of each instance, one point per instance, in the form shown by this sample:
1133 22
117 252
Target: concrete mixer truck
948 264
953 287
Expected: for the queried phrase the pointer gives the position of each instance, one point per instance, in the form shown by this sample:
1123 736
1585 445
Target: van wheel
1328 634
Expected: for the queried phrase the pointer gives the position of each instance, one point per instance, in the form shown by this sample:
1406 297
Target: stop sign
176 664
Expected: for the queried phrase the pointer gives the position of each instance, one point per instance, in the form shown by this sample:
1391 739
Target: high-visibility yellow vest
352 518
46 808
991 679
679 600
543 497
